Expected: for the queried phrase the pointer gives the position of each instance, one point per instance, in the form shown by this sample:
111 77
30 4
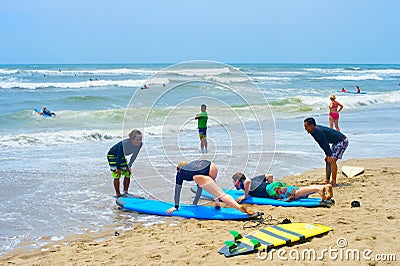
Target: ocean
55 180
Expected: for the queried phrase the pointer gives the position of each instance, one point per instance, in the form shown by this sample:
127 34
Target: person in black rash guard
117 161
255 186
47 112
325 136
204 173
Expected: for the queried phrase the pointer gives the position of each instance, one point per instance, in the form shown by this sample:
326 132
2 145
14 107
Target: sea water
55 181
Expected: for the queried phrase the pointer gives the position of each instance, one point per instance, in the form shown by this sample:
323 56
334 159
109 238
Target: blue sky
129 31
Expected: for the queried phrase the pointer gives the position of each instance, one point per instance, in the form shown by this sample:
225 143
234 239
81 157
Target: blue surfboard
351 92
305 202
41 113
157 207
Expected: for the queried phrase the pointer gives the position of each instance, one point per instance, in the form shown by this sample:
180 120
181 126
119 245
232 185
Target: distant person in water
263 186
334 108
325 136
144 87
117 161
343 90
202 119
204 173
47 112
358 89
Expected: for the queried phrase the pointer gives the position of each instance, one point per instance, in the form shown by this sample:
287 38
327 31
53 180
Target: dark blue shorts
202 133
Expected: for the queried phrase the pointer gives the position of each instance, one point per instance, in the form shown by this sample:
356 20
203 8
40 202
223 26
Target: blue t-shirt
325 136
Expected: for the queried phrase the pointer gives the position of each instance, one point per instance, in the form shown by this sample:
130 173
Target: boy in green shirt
202 118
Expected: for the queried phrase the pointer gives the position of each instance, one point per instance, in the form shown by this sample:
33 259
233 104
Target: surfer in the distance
47 112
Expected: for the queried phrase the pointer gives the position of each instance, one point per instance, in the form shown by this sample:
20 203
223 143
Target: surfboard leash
260 220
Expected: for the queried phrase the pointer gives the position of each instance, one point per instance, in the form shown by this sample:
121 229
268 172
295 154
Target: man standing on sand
202 118
325 136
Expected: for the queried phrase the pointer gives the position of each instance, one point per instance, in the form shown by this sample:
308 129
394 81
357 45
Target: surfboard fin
231 245
256 243
236 235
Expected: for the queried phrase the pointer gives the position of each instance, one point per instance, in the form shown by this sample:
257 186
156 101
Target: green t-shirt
202 121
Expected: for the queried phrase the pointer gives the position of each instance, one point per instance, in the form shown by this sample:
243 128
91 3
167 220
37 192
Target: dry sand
373 226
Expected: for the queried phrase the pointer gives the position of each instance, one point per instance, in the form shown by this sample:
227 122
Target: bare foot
333 183
322 193
329 192
245 210
326 181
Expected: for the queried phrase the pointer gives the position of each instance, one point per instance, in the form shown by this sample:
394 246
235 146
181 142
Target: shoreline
373 226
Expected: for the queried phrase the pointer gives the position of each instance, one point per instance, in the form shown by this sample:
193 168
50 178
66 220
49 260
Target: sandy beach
373 226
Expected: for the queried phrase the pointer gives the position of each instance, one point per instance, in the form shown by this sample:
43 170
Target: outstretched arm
177 197
246 185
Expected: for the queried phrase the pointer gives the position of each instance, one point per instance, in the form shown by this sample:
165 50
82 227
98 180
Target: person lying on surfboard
282 191
255 186
263 186
204 173
46 112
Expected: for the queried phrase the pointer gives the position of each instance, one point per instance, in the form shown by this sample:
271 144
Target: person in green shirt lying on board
202 118
263 186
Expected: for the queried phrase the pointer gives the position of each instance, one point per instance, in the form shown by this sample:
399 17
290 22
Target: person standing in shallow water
117 161
325 136
334 108
202 119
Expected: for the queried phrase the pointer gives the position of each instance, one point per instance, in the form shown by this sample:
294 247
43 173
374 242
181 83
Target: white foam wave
355 71
56 138
224 80
80 72
273 78
5 71
352 77
202 71
71 85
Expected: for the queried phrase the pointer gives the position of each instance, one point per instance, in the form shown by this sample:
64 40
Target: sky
150 31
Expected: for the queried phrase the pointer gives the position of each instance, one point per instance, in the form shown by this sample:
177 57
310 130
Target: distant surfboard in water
351 92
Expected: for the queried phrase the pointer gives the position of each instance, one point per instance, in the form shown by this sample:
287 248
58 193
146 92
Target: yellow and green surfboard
271 236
